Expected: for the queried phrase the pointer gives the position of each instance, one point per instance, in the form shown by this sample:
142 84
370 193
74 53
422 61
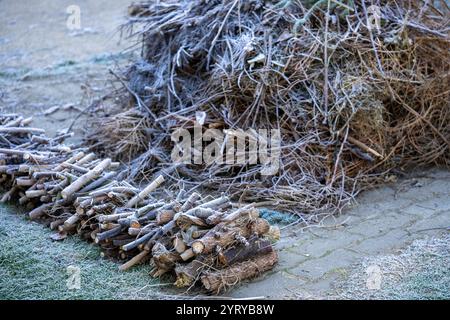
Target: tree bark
144 193
135 260
85 179
256 246
222 235
217 281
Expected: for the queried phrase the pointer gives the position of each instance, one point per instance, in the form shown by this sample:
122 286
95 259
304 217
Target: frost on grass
420 272
34 267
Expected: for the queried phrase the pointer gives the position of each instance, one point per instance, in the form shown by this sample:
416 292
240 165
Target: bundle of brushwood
358 90
208 240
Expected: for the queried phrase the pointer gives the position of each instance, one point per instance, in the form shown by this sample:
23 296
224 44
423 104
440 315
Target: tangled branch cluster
352 100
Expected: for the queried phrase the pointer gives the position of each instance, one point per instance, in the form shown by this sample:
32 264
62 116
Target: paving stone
380 224
376 195
276 285
440 220
385 243
321 246
331 263
290 259
430 206
434 189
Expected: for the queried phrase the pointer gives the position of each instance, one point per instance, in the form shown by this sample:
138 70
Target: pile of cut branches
205 240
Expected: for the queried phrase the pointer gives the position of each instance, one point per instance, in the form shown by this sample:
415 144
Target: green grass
34 267
64 67
420 272
12 73
430 282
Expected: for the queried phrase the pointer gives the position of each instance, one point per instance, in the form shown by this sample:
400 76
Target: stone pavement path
384 221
